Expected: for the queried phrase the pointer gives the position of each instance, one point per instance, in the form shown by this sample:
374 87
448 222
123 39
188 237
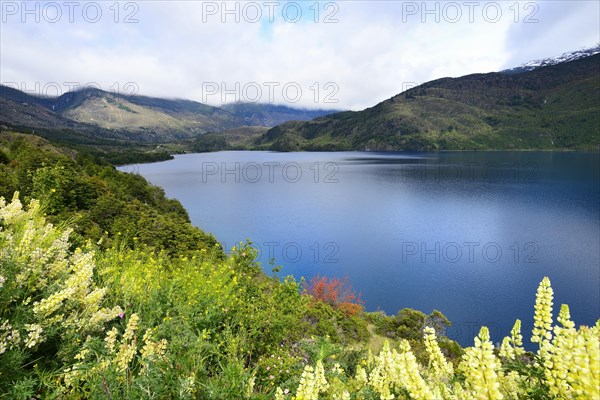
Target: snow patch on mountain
565 57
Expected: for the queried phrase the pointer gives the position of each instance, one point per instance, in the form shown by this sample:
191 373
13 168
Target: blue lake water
468 233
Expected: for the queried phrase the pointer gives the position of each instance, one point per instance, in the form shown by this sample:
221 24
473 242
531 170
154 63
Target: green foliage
132 156
152 308
126 322
105 204
48 299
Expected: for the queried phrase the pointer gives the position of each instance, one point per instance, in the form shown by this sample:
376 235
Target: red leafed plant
336 292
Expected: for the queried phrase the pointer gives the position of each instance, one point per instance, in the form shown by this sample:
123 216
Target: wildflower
361 377
82 354
279 394
441 369
111 339
543 313
480 365
337 369
312 382
409 368
564 317
132 325
512 346
34 336
151 348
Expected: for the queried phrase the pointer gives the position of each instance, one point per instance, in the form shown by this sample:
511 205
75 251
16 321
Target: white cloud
179 49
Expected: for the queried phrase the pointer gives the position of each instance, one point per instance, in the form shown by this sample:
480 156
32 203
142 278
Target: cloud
550 28
369 50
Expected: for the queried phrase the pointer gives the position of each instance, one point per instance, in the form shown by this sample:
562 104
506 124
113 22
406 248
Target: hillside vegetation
550 108
101 203
147 306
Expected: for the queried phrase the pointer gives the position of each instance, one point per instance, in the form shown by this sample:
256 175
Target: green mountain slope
554 107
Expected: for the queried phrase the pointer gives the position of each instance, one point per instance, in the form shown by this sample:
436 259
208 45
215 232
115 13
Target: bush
335 292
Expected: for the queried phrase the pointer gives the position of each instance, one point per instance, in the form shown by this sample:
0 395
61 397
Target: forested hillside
552 107
92 196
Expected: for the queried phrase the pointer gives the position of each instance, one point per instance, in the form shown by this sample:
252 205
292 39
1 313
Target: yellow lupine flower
584 371
440 368
543 313
312 383
111 340
479 366
361 377
414 382
512 346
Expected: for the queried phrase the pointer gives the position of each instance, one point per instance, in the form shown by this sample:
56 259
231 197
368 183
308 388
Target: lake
470 234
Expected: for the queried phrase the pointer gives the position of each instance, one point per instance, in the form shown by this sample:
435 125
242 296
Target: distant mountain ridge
260 114
112 115
549 107
132 117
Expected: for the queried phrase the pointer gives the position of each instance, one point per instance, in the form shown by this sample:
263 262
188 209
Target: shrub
336 292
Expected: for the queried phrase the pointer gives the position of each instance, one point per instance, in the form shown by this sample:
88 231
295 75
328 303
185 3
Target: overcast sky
342 55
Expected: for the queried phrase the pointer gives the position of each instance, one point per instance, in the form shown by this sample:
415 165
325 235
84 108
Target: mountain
93 116
114 115
258 114
549 107
565 57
